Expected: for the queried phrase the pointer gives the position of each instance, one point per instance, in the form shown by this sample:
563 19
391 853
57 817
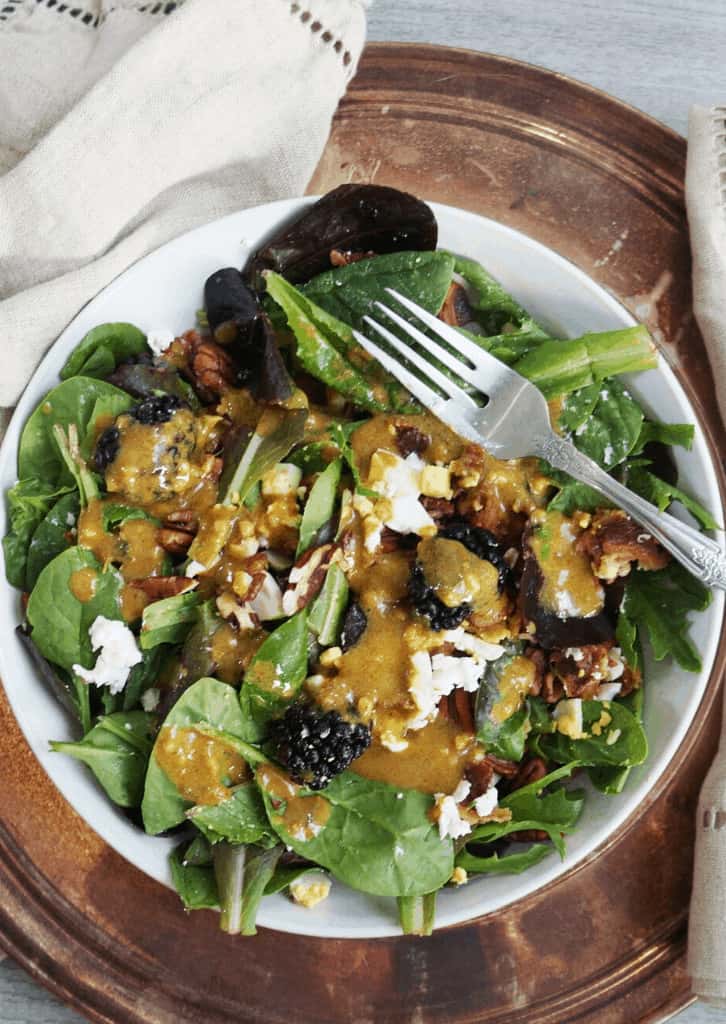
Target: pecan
539 659
212 369
528 835
307 577
582 670
175 542
157 587
410 439
502 767
552 689
613 541
456 310
531 770
183 518
460 709
444 708
392 541
438 508
480 776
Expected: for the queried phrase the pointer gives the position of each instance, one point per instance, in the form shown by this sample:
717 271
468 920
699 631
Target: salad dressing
203 768
82 584
515 683
134 547
570 588
433 761
302 817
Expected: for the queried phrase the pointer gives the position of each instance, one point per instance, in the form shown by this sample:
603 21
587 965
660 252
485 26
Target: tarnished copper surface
603 185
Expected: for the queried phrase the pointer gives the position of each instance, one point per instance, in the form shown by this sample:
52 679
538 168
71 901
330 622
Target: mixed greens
300 624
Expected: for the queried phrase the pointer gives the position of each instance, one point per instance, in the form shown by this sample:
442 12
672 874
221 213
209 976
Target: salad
304 627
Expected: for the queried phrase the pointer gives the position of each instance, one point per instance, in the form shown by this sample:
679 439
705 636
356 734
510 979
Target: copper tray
576 170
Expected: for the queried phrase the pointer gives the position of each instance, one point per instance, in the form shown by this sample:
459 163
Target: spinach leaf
494 308
417 913
274 676
206 701
75 402
662 494
29 501
60 621
612 780
375 839
243 873
659 603
611 430
350 293
670 434
100 351
577 407
52 536
239 819
326 611
56 680
285 874
505 738
328 351
278 430
168 621
319 505
114 515
503 864
117 752
628 749
195 884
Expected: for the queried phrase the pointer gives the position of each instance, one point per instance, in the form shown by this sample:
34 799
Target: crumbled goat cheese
568 718
394 477
576 653
267 602
467 643
282 479
194 569
408 516
436 482
613 736
462 791
608 454
70 519
159 340
608 691
434 678
310 889
450 821
119 654
485 804
150 698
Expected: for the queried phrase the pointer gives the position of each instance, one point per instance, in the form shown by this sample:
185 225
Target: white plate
165 290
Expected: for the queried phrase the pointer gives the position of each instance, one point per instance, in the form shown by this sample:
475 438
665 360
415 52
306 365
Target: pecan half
307 577
531 770
456 310
212 369
175 542
438 508
505 768
157 587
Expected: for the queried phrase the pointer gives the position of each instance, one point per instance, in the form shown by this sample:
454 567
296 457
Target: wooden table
660 55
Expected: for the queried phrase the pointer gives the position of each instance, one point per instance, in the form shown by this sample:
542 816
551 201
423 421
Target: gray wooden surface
659 55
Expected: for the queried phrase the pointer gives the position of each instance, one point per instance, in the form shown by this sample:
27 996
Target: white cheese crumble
467 643
310 889
159 340
150 698
450 821
119 654
434 678
462 791
608 691
194 569
408 515
391 742
484 805
267 602
282 479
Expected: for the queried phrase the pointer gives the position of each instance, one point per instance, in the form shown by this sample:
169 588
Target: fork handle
703 557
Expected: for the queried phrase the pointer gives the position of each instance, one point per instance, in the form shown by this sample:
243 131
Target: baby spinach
239 819
243 873
503 864
114 515
196 884
659 603
285 874
611 430
416 914
29 502
274 676
328 351
663 494
206 701
76 401
117 752
378 838
167 621
612 780
52 536
506 738
278 430
319 505
630 748
326 611
350 293
494 308
670 434
100 351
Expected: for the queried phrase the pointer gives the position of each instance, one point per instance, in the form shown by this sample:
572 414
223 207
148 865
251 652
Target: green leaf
577 407
195 884
507 738
117 752
378 838
29 502
659 603
350 293
611 431
417 914
239 819
286 874
77 401
319 505
327 610
206 701
168 621
114 515
275 675
504 864
495 309
663 494
328 351
670 434
630 748
101 350
277 432
51 536
242 872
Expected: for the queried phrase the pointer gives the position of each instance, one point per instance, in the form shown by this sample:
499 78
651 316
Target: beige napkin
706 202
123 124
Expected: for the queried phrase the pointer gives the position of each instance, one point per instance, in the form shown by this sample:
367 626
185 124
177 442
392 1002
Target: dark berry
480 542
157 409
107 448
315 745
354 626
424 599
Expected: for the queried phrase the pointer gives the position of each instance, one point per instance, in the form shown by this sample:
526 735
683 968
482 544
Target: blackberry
157 409
315 745
107 448
480 542
354 625
425 601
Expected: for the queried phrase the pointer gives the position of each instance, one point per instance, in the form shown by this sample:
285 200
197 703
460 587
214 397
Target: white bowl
164 290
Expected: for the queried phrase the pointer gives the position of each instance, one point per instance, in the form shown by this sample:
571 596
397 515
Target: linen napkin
706 203
124 124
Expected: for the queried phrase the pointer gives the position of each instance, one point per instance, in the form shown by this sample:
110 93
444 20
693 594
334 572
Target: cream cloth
124 124
706 202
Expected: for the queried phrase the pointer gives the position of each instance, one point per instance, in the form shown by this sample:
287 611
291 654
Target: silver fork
515 423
